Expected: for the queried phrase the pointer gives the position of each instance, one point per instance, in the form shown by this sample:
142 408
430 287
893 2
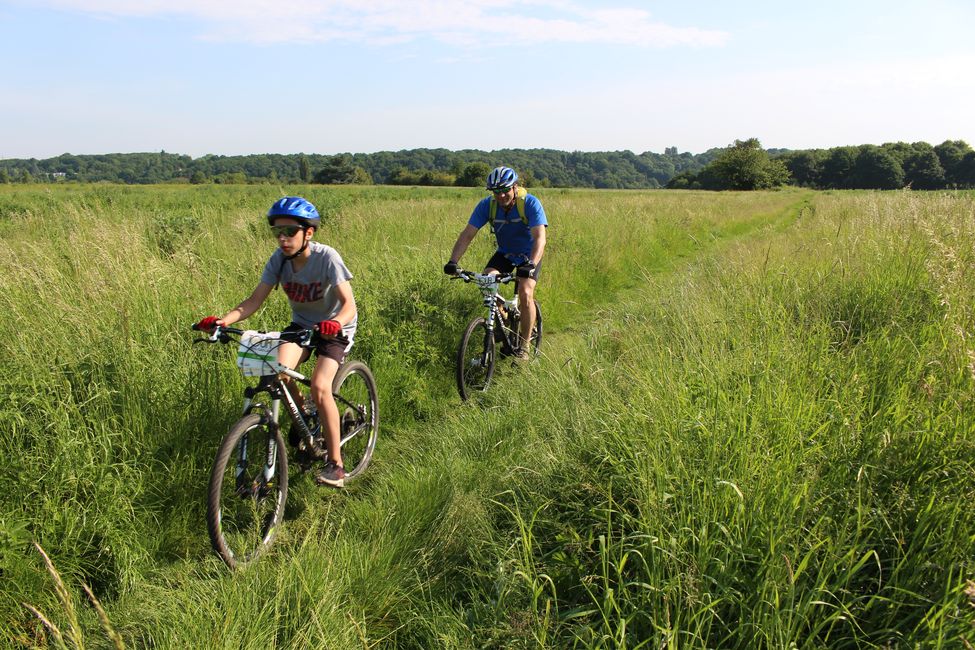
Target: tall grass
750 426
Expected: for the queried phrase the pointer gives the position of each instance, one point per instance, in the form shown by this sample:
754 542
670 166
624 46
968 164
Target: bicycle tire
475 359
244 512
535 342
358 404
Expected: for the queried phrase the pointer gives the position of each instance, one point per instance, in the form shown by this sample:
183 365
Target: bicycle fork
258 484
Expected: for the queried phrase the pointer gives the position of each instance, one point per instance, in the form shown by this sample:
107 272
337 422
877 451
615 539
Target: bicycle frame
499 309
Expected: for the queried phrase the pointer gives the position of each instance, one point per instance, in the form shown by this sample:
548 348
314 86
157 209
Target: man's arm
538 245
463 241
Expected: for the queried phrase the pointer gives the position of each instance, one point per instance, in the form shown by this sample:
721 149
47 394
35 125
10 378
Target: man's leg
526 303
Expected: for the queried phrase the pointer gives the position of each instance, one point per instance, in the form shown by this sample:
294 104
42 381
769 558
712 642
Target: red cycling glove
329 328
207 324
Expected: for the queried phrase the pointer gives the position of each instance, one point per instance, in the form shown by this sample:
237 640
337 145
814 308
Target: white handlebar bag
257 354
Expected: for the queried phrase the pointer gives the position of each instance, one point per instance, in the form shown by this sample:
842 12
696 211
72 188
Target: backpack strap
520 195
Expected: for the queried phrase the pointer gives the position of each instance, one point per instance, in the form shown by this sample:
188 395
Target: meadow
751 426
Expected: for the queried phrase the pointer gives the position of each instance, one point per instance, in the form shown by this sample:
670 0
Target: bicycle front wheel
475 359
248 490
355 395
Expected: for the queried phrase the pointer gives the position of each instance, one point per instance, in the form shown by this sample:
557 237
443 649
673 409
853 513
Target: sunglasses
287 231
501 190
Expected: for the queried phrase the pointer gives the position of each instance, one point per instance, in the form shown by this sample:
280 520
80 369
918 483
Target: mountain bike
495 333
249 480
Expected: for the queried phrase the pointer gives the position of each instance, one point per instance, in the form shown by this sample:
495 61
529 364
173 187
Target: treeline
744 165
894 165
538 167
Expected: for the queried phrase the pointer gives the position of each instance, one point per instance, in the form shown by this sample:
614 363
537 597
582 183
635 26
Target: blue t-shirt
514 237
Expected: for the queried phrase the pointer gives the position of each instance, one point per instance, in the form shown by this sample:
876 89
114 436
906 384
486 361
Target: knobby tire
244 513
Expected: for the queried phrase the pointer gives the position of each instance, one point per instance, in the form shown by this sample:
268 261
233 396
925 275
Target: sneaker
331 474
521 356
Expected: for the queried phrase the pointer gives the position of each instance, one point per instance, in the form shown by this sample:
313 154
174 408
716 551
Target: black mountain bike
495 334
249 480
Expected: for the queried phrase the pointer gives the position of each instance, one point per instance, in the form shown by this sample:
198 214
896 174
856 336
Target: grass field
751 426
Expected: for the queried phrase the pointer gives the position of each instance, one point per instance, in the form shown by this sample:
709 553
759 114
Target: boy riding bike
518 222
316 281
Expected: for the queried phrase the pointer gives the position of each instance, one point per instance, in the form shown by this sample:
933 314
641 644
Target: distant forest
743 165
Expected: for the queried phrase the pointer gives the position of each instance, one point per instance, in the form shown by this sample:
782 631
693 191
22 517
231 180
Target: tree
804 166
877 169
360 176
338 170
4 176
965 173
746 166
304 170
837 168
922 168
950 155
473 174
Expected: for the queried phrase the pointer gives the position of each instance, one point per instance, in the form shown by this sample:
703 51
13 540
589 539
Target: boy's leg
321 391
292 354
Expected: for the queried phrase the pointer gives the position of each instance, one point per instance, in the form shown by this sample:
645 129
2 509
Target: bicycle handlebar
306 338
471 276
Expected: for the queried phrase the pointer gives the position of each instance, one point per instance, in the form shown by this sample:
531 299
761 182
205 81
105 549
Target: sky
233 77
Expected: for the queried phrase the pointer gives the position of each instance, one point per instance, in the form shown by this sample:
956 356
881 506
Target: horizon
369 153
331 77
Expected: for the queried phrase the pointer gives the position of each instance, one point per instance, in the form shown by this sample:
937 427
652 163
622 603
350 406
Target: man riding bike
518 222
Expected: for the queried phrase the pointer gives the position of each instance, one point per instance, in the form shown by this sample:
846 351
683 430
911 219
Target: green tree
338 170
837 168
965 172
360 176
4 176
198 178
951 153
922 168
877 169
473 174
805 167
746 166
304 170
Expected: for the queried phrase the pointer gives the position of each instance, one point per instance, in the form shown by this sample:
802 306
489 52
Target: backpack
520 195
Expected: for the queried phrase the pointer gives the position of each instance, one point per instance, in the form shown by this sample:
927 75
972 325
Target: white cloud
392 21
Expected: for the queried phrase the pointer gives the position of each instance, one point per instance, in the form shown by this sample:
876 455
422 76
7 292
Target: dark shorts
335 347
501 263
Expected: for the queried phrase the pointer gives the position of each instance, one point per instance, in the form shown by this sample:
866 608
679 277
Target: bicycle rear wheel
248 490
535 341
475 359
355 394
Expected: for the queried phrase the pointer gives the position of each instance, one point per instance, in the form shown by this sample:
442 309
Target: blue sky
330 76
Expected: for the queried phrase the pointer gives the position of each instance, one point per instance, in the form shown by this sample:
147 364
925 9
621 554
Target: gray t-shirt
311 291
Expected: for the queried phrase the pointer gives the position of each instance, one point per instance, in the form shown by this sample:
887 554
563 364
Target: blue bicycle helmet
296 208
501 178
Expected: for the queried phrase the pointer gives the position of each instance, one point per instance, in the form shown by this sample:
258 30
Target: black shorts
501 263
334 347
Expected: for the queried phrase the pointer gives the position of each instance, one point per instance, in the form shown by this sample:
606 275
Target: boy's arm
347 313
250 304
